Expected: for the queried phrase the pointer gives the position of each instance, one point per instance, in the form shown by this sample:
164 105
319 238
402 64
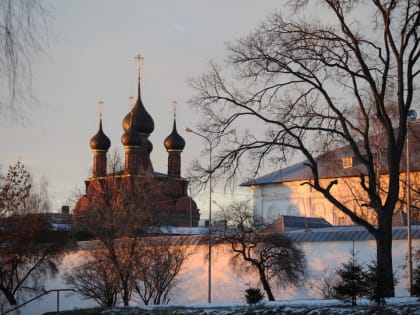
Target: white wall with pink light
229 287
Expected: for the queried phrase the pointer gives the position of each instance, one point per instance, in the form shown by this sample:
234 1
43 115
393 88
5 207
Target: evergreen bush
253 295
352 283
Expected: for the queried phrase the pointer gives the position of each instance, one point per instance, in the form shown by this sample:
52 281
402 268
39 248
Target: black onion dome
149 145
100 141
174 141
131 138
142 120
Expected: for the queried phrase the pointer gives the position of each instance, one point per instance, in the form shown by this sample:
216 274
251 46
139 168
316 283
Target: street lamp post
190 207
411 116
210 202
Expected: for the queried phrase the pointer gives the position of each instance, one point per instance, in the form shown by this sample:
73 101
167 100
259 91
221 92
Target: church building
171 204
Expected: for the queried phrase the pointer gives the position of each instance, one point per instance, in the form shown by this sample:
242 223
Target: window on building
347 162
273 213
292 210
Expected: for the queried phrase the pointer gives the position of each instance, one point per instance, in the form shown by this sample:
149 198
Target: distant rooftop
329 234
175 230
347 233
295 172
286 223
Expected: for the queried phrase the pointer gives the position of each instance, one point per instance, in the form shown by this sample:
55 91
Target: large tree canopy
307 83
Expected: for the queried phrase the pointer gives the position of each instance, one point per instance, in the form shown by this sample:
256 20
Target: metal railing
40 296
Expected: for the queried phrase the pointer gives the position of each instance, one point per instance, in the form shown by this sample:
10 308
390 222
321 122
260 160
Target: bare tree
153 267
309 85
324 283
95 278
23 33
158 267
273 257
29 251
118 212
39 202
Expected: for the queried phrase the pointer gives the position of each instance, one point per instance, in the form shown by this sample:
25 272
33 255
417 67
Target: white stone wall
270 201
273 200
228 286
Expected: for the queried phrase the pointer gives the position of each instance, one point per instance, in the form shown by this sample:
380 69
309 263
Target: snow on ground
307 302
397 306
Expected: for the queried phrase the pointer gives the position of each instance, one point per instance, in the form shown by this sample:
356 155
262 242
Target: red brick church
172 205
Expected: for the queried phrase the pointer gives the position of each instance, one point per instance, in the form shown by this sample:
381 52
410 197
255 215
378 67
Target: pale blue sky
91 57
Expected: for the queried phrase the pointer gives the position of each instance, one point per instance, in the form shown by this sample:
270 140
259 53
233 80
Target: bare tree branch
23 34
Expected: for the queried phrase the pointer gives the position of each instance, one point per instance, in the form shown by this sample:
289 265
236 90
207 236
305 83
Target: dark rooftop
286 223
347 234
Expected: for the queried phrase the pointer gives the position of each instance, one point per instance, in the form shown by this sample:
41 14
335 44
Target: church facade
170 205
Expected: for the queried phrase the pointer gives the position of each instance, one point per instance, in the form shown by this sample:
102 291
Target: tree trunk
126 299
384 257
125 293
9 296
265 284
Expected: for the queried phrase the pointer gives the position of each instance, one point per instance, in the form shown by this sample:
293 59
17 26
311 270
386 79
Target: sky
90 57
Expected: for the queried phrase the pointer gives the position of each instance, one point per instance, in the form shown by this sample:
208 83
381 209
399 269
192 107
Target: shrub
352 280
253 295
416 282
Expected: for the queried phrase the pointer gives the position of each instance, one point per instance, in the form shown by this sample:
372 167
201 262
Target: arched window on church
273 213
318 210
292 210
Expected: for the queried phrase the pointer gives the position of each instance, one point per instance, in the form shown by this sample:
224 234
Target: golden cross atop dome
174 103
100 108
131 102
138 58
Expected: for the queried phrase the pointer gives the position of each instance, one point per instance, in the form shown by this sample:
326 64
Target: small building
286 191
288 223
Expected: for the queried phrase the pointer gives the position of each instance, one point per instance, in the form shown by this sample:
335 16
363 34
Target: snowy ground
397 306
